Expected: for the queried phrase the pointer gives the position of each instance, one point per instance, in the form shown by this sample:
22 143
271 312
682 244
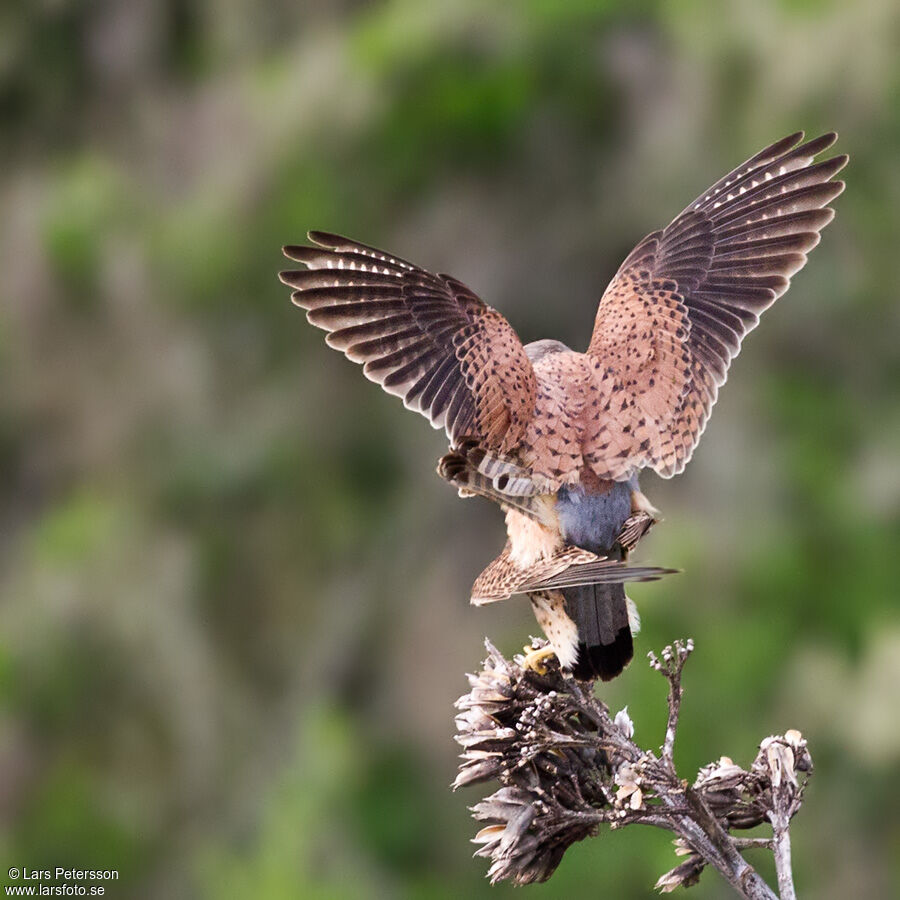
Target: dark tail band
600 612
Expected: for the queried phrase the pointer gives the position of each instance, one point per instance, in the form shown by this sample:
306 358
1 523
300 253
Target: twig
752 843
782 851
724 855
671 666
784 757
566 767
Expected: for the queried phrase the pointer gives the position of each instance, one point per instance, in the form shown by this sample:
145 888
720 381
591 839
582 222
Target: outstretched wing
674 316
426 338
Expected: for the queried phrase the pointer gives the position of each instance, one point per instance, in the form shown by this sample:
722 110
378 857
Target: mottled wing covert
570 566
426 338
674 315
635 527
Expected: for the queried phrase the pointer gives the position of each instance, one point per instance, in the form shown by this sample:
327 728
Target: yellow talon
535 658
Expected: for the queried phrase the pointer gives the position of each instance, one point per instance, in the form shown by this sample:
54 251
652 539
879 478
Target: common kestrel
558 437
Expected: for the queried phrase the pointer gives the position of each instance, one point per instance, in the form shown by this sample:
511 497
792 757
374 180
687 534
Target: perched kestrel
557 437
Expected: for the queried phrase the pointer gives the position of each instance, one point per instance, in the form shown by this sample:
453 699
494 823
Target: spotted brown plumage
555 436
674 316
566 567
426 338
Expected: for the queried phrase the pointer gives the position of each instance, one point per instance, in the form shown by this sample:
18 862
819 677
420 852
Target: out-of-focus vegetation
233 595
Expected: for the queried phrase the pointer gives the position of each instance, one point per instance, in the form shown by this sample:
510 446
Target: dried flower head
535 735
684 875
564 766
524 728
527 837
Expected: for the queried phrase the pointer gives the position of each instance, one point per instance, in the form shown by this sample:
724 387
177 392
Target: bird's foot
535 657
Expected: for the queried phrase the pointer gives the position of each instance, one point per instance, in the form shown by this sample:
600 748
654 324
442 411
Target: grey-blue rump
590 520
594 521
600 611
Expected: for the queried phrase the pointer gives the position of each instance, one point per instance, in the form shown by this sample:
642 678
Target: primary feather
557 437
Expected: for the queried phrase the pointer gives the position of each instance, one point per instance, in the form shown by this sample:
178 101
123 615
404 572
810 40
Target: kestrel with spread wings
555 436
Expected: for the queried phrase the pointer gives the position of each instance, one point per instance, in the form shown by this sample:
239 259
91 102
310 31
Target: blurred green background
233 594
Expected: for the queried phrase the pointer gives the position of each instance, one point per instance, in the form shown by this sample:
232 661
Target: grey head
539 349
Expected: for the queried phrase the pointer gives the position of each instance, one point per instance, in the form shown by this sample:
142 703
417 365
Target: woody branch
567 767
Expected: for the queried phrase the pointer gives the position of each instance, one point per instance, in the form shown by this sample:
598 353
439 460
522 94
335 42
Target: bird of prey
556 436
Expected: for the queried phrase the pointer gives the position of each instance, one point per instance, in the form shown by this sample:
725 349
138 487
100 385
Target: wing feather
426 338
700 285
568 567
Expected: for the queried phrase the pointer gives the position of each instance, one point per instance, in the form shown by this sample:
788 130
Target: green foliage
85 203
68 821
233 601
290 855
74 529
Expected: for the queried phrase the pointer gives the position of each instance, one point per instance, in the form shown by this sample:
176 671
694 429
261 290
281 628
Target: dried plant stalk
566 766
